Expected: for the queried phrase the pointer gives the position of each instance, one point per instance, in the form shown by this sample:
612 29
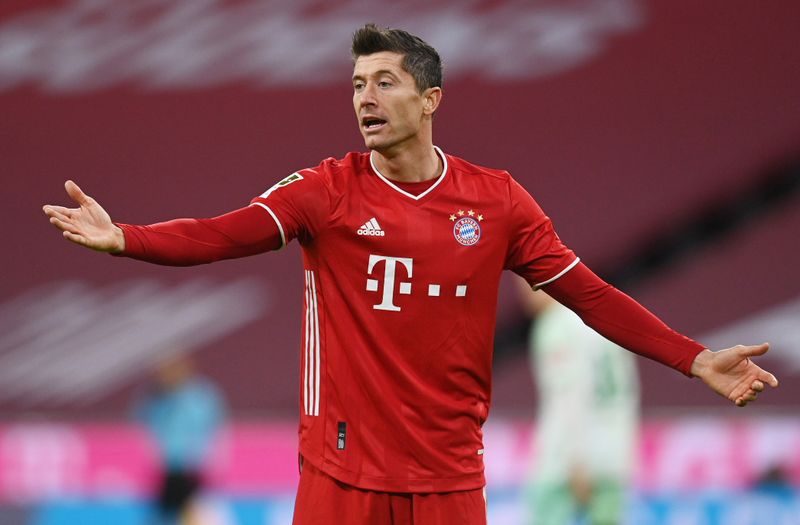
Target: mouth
370 123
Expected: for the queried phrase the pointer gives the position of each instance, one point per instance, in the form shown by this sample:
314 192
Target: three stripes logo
371 228
312 350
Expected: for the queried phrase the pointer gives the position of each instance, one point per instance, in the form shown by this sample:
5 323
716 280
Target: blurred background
662 137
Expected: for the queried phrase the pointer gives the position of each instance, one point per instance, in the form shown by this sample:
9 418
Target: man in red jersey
403 248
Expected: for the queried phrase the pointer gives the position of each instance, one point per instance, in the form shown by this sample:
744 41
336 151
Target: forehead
367 65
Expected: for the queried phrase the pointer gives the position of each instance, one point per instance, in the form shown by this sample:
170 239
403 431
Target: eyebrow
377 74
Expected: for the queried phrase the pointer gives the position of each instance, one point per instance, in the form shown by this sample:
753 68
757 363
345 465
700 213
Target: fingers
747 397
69 231
768 378
51 209
63 225
752 393
58 212
762 375
61 218
76 238
75 193
66 214
756 350
753 350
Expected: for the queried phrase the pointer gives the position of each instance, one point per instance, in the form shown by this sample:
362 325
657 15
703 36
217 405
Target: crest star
471 213
453 218
480 217
460 213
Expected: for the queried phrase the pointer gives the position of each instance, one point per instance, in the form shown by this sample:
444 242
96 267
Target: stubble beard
385 146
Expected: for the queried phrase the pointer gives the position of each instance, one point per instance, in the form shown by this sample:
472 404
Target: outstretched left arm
732 374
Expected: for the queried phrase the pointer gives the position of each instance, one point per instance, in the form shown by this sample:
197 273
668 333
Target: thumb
754 350
76 193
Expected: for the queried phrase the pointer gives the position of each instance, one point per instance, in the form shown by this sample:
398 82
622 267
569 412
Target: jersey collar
400 190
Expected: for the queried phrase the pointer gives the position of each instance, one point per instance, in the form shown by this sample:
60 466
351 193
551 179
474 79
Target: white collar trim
411 195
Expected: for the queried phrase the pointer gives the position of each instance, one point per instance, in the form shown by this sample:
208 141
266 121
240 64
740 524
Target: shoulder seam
474 169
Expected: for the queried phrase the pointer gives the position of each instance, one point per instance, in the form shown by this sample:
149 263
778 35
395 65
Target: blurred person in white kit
588 417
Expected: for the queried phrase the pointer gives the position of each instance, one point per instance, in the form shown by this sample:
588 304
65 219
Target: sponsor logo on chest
466 228
396 279
371 228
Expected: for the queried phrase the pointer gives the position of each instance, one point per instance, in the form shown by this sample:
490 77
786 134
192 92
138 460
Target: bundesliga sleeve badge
467 227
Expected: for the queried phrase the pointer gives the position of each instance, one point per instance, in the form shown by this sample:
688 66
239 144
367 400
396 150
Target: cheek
410 111
412 115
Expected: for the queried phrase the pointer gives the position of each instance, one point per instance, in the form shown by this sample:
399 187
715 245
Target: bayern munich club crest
467 227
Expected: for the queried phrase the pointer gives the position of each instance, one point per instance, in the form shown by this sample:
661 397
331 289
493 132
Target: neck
409 165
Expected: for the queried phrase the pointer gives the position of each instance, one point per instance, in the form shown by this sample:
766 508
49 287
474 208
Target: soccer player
183 413
403 248
587 422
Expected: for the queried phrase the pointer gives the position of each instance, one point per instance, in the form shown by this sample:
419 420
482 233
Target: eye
384 84
358 86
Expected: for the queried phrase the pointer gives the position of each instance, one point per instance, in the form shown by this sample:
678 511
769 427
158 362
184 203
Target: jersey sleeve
622 320
299 204
535 252
187 242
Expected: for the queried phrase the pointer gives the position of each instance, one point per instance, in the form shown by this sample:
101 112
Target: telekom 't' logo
390 276
388 280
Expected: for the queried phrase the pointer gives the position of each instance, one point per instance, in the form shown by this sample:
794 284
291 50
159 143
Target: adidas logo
372 228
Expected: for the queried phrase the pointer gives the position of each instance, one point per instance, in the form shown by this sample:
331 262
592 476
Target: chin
373 143
382 144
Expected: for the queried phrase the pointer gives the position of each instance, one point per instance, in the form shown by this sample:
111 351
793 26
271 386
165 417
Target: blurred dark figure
774 481
183 413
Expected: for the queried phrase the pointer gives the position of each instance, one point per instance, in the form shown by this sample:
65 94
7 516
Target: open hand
88 225
732 374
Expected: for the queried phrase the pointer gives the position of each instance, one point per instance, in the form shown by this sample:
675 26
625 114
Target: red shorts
321 500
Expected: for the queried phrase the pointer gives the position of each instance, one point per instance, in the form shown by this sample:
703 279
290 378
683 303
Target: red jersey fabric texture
400 305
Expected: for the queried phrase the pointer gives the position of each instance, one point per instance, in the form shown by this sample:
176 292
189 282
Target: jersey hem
470 481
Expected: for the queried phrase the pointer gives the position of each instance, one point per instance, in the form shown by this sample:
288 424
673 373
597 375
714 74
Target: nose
367 96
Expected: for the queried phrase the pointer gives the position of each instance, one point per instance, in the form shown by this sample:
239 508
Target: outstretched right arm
180 242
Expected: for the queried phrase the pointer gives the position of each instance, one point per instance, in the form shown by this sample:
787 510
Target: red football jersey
400 306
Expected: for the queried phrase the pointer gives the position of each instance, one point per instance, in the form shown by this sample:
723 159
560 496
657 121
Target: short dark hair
420 60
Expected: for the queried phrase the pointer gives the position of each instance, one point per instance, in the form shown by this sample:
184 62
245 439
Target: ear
431 98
